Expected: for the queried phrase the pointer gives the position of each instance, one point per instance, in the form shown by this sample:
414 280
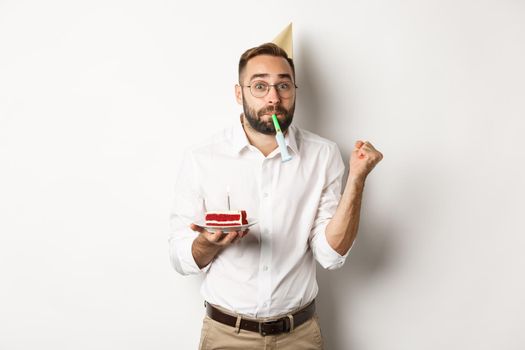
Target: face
258 110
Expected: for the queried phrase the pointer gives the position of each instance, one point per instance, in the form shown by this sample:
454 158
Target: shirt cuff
327 256
183 260
191 265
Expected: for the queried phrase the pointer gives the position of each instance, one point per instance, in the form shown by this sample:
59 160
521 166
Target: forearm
341 231
203 251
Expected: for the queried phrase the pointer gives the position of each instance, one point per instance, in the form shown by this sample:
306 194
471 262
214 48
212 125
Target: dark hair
264 49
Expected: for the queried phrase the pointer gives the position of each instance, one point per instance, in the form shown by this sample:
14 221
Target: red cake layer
226 218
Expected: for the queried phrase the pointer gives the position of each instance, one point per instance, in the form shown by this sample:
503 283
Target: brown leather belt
281 325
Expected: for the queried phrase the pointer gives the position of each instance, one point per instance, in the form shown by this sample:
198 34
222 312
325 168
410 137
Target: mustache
272 110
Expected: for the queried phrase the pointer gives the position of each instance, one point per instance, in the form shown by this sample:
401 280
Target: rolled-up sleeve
327 257
187 207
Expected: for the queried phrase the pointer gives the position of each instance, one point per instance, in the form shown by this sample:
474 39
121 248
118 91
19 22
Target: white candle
228 194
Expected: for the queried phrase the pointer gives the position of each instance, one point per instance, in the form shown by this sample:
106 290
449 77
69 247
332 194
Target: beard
267 127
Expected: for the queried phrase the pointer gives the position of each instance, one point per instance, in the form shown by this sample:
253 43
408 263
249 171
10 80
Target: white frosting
224 212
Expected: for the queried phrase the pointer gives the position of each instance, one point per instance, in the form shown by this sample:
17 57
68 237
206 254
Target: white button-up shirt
271 270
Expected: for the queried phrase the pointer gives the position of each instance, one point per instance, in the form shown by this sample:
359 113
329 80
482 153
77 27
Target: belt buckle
284 322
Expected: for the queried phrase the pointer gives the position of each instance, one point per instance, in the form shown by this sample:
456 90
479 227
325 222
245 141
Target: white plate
251 222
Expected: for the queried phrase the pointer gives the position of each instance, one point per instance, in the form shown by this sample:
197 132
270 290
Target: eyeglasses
285 89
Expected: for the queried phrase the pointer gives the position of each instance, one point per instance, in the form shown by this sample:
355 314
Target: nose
273 96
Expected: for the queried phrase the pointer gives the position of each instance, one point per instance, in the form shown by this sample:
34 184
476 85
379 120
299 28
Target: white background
99 98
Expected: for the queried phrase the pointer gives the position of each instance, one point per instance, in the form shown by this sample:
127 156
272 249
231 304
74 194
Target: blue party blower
280 140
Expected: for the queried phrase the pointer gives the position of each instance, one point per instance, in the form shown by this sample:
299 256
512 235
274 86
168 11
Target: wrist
356 180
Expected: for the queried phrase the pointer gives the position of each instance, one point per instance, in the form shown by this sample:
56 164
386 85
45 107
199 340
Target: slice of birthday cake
226 218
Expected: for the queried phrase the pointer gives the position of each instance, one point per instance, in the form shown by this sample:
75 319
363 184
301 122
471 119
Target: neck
264 143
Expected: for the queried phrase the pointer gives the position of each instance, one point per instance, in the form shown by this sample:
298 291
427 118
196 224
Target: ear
238 93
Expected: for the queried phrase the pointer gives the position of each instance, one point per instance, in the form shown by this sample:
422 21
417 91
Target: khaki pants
215 336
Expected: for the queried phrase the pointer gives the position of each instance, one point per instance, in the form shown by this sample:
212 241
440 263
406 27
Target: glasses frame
268 91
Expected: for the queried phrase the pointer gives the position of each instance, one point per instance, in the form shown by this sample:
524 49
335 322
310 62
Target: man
260 284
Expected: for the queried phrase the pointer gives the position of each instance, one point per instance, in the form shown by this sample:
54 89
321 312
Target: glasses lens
285 89
259 88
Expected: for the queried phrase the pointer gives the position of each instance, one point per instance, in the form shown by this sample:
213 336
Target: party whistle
280 140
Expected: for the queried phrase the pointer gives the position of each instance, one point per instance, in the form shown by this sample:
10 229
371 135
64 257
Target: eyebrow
266 75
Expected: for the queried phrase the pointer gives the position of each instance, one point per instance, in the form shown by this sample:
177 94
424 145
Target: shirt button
265 268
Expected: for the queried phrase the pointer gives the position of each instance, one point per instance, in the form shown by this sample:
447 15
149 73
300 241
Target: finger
361 153
214 236
228 238
237 236
204 231
241 234
372 152
369 146
365 151
358 144
196 228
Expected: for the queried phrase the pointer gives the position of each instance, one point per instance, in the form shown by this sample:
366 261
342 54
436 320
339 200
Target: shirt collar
240 140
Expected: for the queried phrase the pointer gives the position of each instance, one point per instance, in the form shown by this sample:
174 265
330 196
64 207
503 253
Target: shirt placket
265 268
